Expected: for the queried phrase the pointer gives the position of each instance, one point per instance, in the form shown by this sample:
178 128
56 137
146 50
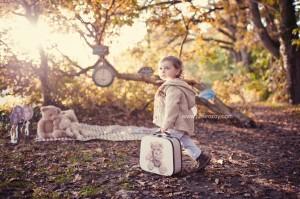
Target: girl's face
167 70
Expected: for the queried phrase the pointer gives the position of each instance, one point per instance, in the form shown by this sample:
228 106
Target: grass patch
65 177
127 185
90 191
40 193
80 157
61 179
120 161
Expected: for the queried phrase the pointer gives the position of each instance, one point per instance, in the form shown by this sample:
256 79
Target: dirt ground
262 162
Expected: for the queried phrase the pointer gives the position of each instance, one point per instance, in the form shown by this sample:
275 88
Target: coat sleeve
172 101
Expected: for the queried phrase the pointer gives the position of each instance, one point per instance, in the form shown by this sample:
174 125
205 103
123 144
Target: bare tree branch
183 42
187 27
227 34
69 59
203 17
19 14
218 41
87 24
145 7
82 70
105 22
4 43
227 48
170 41
85 39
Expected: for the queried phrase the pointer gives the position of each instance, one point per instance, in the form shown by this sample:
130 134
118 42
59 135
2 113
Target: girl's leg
202 159
190 147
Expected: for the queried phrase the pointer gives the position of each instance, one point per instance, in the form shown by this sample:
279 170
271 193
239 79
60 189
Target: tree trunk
271 45
218 107
43 76
289 52
32 14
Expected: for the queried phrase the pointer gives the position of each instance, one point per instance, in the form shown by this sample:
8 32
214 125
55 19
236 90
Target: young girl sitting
173 109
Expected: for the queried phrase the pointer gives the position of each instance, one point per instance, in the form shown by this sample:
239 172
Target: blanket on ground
56 124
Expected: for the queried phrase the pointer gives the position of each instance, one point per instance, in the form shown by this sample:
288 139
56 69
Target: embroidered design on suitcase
160 154
155 157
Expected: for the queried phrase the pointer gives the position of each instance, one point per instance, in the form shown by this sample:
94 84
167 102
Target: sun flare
25 38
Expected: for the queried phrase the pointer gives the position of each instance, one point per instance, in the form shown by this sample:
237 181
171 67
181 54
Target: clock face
103 76
146 71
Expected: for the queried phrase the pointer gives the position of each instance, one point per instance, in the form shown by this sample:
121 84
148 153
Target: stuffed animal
56 123
70 114
65 125
60 124
63 120
155 157
45 125
74 131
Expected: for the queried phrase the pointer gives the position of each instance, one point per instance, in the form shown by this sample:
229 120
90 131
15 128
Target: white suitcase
160 154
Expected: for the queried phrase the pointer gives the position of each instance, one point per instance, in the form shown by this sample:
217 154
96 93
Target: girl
174 103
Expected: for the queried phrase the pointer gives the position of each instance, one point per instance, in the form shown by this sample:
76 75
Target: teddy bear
55 123
155 157
63 122
45 125
66 124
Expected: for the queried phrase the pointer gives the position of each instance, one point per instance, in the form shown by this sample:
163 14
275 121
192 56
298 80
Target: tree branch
227 34
77 16
145 7
186 25
271 45
218 41
19 14
105 22
218 106
69 59
85 39
4 43
227 48
82 70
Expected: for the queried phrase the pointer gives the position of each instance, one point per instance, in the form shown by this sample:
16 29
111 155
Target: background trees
245 50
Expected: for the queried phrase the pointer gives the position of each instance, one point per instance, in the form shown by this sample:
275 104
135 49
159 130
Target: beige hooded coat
172 106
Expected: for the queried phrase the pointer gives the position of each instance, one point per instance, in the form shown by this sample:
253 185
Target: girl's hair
177 63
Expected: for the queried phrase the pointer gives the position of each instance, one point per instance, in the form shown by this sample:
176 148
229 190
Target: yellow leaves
270 2
296 32
232 89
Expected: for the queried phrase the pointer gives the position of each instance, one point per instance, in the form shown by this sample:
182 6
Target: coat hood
184 87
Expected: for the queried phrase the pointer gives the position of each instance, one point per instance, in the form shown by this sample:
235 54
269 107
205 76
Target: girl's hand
163 130
160 81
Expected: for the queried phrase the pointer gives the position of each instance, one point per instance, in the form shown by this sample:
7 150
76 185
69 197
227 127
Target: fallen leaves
77 178
104 169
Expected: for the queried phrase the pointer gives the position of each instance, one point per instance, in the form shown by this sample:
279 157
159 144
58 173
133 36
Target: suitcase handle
159 134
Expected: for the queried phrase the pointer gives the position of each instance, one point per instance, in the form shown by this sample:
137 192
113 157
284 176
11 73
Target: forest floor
262 162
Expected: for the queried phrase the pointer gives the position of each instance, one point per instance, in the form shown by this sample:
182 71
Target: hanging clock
146 71
100 50
103 75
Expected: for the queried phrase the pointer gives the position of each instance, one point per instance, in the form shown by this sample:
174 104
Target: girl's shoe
202 161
